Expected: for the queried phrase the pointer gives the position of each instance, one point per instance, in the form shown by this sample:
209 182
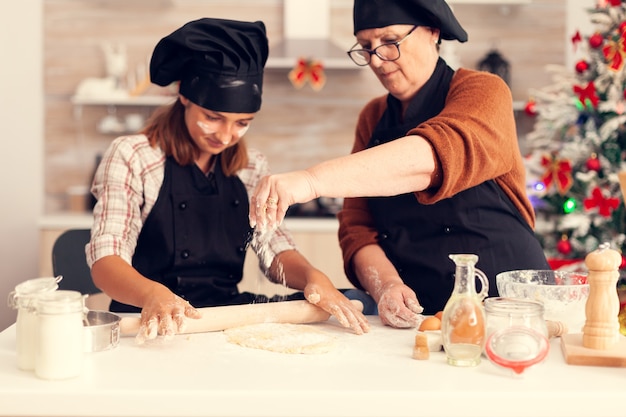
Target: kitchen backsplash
295 127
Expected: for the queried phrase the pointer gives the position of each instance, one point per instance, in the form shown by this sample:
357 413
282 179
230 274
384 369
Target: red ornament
595 40
582 66
623 264
564 246
622 27
593 164
530 108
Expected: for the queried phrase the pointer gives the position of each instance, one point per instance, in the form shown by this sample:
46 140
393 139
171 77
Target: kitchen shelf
153 100
112 102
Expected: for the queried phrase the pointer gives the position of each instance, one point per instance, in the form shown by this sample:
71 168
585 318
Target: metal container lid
26 292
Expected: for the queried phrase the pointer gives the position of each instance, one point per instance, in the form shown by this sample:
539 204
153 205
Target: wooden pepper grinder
601 329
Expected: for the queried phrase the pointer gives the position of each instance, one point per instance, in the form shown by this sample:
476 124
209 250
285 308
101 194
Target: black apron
194 240
482 220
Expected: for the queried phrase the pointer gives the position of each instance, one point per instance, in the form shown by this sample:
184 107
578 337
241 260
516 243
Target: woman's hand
398 306
323 294
275 193
164 314
397 303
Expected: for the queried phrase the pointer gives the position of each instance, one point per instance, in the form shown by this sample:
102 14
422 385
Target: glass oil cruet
463 320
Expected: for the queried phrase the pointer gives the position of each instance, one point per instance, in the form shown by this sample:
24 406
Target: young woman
171 226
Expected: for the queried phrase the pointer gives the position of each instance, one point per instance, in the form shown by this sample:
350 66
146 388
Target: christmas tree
575 153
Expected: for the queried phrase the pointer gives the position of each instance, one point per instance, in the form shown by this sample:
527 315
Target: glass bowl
563 294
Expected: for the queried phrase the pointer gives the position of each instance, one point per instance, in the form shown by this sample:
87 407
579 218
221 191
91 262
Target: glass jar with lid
23 298
60 327
517 335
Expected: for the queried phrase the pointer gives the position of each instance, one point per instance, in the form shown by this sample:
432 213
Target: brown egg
430 323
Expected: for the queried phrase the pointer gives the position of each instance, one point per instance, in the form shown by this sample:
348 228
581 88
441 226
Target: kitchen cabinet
315 238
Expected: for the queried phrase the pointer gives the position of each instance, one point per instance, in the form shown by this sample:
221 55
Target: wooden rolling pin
226 317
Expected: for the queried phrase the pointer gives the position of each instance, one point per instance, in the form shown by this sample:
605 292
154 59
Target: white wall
577 20
21 159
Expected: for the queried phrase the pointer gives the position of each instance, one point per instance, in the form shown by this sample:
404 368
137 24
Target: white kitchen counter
369 375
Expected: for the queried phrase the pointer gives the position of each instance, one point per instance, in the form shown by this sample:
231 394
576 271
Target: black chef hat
218 62
369 14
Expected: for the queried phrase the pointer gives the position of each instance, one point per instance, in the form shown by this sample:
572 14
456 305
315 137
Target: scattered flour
282 338
260 242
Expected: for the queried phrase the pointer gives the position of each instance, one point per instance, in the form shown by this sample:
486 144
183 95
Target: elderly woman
435 168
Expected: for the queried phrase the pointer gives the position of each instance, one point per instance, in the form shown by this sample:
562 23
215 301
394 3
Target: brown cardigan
474 139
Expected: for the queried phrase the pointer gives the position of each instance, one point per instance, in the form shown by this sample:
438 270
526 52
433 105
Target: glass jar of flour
59 353
23 299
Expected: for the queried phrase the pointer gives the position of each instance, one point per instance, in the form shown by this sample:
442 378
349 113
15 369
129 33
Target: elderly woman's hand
398 306
275 193
164 314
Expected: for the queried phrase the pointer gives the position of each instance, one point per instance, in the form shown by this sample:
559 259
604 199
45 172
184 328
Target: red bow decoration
615 2
576 39
605 205
587 93
614 53
559 172
308 70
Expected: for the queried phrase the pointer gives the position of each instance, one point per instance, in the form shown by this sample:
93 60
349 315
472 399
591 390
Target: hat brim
225 94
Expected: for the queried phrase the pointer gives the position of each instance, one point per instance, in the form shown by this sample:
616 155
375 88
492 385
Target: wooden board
576 354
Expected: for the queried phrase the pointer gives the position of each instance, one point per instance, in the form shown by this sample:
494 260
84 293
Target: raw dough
281 337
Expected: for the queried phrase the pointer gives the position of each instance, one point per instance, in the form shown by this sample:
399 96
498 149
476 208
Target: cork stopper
603 259
556 328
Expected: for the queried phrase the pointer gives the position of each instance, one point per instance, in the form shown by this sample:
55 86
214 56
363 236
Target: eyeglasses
386 52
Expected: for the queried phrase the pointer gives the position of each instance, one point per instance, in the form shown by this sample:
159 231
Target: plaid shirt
127 184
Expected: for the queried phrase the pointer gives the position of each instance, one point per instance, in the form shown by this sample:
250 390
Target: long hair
166 129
